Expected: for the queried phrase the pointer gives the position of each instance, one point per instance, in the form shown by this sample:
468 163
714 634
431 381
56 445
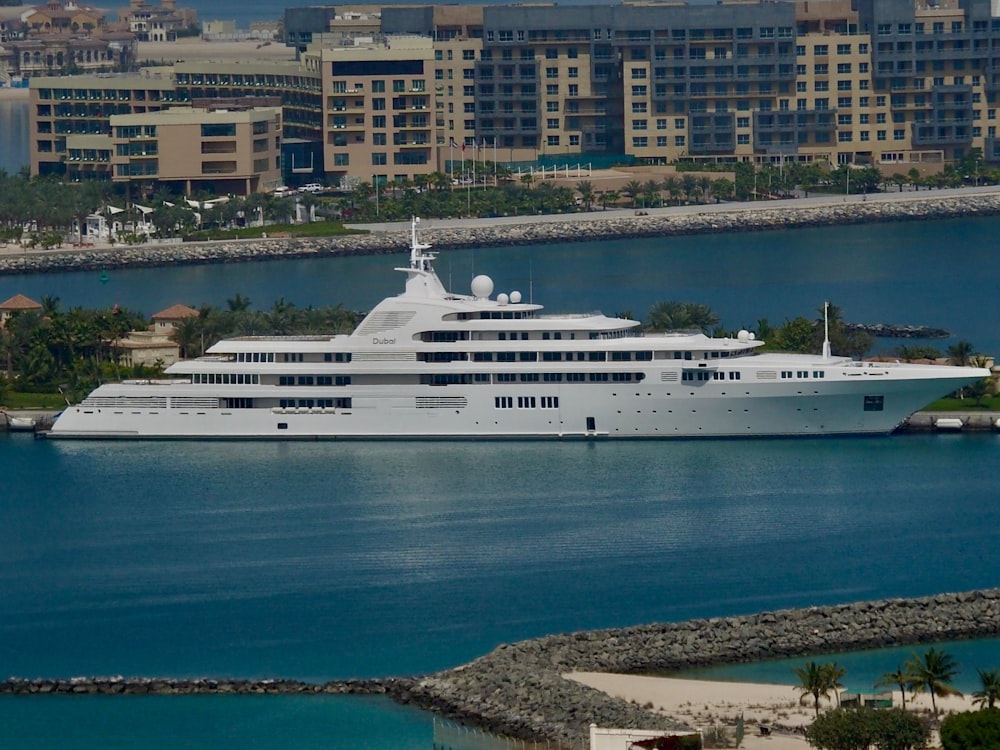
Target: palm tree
901 678
650 192
238 303
633 190
677 316
688 184
990 692
586 190
835 673
50 304
933 673
960 354
814 680
704 185
673 187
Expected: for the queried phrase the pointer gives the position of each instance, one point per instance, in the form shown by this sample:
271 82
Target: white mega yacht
429 363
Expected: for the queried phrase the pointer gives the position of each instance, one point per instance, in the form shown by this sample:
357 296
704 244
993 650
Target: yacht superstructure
429 363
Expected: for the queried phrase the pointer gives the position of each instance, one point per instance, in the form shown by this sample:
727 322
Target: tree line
74 351
932 673
50 208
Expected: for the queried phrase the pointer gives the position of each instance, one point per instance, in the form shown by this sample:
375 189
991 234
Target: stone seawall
518 689
574 227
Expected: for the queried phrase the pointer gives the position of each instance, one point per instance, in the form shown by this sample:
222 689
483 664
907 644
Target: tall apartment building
142 128
886 82
457 35
220 151
379 121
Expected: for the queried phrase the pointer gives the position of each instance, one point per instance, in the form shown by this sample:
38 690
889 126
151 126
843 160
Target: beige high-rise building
891 83
220 151
379 120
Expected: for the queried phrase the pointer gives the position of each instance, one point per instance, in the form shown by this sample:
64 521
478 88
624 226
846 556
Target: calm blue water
367 559
882 273
338 560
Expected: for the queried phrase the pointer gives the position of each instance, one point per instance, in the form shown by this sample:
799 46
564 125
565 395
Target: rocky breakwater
519 689
488 233
198 686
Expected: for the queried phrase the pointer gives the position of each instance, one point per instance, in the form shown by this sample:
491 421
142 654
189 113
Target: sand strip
704 703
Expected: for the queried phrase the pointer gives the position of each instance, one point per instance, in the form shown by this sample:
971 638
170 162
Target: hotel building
892 83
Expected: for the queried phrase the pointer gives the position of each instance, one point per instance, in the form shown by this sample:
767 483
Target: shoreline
547 229
552 688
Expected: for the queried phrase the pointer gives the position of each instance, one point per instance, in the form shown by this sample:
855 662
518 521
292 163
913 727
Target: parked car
312 187
283 190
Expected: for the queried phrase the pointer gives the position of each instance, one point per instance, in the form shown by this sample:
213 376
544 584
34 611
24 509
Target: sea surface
942 274
336 560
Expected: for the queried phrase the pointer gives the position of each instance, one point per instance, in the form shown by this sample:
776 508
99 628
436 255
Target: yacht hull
631 410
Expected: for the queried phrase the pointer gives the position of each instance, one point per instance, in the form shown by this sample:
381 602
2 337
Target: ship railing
161 381
868 365
297 337
680 333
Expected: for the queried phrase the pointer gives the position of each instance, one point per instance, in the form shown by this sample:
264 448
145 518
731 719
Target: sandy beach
703 703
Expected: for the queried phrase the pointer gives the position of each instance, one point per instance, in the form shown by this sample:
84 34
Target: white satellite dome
743 335
482 287
502 299
515 297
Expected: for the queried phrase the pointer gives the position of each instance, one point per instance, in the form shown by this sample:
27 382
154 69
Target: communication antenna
826 330
531 281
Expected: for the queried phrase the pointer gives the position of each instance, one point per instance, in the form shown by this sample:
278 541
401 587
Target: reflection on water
13 134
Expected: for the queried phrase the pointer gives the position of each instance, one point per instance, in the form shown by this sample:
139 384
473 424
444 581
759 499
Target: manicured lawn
964 404
315 229
19 400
